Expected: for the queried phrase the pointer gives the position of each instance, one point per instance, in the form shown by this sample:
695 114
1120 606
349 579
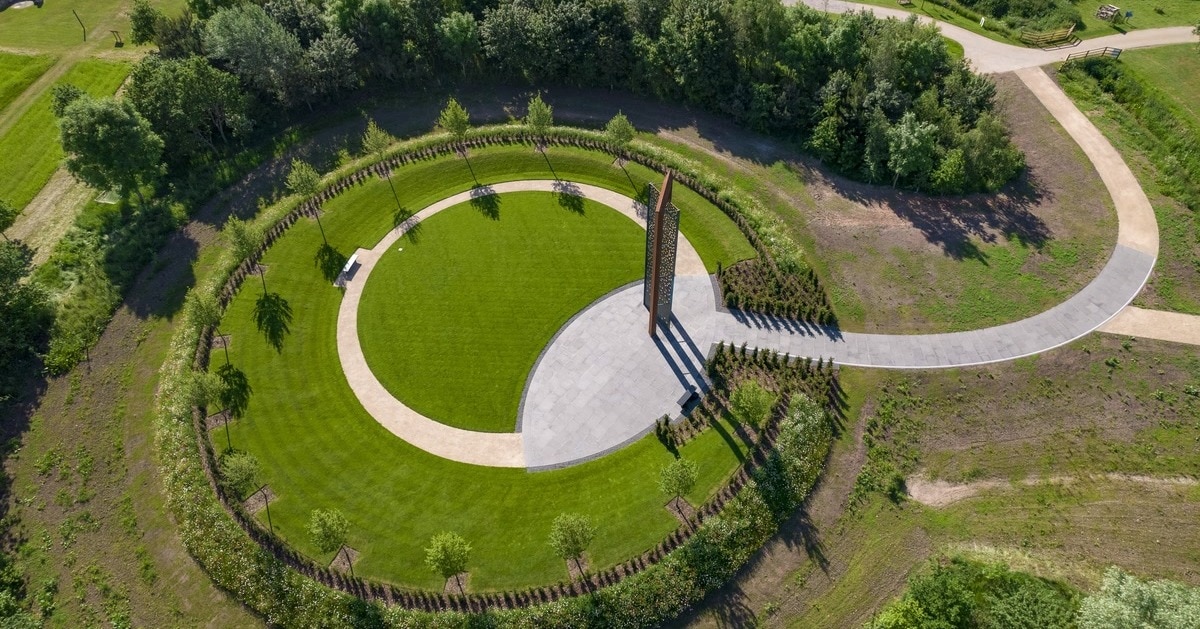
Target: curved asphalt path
601 382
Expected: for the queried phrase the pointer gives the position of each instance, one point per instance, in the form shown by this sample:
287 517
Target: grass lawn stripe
18 72
31 147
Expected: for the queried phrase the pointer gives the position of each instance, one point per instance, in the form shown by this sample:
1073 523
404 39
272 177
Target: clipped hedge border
282 585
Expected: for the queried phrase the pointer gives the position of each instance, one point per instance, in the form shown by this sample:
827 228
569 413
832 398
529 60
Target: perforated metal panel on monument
660 252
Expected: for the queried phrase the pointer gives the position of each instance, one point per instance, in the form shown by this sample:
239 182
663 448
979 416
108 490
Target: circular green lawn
453 319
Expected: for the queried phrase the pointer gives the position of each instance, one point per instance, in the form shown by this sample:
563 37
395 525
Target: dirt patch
217 420
682 510
344 559
50 215
221 342
940 493
258 500
577 570
458 584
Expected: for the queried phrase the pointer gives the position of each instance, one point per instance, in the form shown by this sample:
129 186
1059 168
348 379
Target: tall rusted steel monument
662 243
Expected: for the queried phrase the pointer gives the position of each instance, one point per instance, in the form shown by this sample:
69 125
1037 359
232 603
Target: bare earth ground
940 493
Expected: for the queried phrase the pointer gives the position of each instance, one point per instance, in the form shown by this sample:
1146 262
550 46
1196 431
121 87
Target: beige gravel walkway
1155 324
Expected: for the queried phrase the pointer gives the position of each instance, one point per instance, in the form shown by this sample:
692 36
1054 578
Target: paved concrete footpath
602 381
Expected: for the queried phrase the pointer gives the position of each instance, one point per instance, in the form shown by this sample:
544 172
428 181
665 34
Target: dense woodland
878 100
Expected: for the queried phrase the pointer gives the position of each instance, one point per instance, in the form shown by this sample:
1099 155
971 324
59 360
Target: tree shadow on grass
235 390
330 261
486 201
273 316
570 196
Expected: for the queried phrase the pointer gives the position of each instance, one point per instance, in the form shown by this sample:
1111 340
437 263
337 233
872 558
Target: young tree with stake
447 555
328 529
570 536
455 119
304 180
376 142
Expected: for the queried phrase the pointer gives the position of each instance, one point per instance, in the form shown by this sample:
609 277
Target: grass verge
31 148
1145 111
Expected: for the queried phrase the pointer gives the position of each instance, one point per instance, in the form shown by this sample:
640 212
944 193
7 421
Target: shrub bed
289 590
753 285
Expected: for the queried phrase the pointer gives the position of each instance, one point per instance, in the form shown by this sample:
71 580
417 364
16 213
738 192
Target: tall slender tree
304 180
455 119
376 141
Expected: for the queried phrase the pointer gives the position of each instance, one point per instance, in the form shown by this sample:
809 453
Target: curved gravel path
602 382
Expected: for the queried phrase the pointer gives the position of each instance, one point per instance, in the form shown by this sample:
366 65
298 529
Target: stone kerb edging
423 600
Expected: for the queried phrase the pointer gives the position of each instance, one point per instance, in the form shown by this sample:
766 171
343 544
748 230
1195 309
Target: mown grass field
18 72
319 449
453 323
1173 69
53 27
31 148
1146 14
714 236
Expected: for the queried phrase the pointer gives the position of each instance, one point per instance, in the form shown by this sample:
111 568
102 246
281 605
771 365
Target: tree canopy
837 85
328 529
447 554
455 119
619 130
109 144
570 535
678 477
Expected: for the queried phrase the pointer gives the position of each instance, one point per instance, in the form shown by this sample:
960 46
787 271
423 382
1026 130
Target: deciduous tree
375 141
619 131
110 145
447 555
143 19
752 403
911 146
239 471
261 52
539 116
25 311
678 477
570 536
459 33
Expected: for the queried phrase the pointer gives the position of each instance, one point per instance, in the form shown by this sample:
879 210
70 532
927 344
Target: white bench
341 278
